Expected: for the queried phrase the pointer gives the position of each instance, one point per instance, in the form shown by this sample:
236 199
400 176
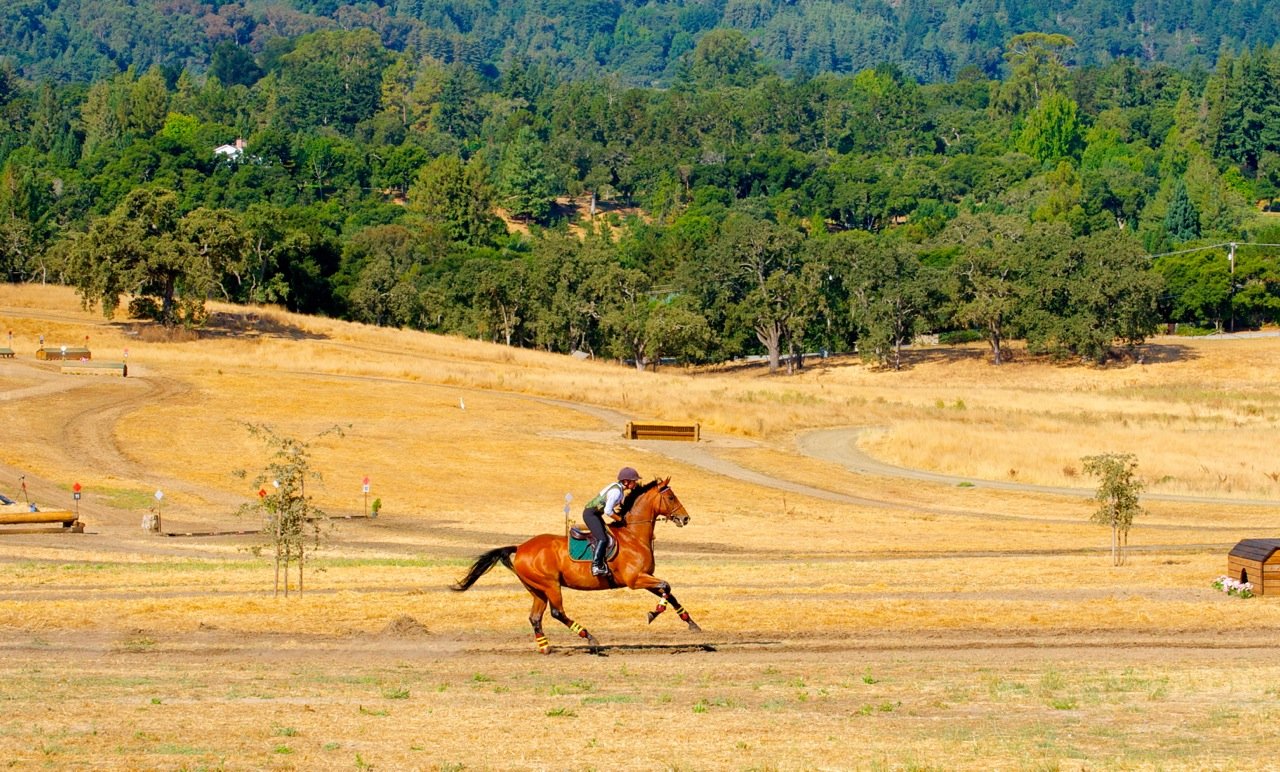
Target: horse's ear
666 482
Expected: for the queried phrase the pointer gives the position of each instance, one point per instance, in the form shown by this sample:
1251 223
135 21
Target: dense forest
742 207
636 43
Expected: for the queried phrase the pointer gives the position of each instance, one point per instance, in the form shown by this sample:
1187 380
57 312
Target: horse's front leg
665 596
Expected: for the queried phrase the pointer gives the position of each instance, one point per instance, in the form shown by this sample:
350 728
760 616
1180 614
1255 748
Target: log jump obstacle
651 430
67 521
6 353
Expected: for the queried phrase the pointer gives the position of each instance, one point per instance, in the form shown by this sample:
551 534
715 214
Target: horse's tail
483 564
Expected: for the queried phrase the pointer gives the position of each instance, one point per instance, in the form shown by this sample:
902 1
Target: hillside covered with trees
1076 206
636 43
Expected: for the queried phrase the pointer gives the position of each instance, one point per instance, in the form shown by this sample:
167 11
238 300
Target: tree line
759 214
636 42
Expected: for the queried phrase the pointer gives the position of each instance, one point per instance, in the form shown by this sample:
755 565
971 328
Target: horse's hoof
652 616
693 627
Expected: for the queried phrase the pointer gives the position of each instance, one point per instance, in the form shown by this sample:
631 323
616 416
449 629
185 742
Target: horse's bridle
672 515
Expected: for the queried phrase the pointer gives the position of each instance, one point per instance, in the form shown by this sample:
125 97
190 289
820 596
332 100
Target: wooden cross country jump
65 520
652 430
63 352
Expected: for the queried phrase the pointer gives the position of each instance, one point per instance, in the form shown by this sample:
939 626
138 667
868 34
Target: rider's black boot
598 566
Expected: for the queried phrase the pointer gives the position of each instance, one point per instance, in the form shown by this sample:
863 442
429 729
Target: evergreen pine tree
524 182
1182 220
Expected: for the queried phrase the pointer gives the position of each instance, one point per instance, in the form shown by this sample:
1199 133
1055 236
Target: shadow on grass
221 324
1119 359
603 649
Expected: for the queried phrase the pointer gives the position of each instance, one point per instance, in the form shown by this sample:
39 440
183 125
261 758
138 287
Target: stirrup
599 570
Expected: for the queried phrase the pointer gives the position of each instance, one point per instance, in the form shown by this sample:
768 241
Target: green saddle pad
580 549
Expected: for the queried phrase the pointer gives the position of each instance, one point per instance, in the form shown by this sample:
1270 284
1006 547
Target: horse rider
609 500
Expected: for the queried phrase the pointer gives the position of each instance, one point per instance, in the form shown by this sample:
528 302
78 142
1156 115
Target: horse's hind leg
535 619
665 596
556 599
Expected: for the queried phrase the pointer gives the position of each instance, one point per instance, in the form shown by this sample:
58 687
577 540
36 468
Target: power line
1229 244
1189 251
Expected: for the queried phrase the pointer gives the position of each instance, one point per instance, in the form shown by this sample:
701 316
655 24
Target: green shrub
960 336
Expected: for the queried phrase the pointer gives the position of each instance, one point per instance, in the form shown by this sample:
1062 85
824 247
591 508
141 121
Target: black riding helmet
627 473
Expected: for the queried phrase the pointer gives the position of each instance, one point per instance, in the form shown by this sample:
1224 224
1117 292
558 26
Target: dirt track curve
840 446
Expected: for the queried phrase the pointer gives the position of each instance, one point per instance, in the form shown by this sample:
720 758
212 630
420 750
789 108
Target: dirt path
840 446
88 438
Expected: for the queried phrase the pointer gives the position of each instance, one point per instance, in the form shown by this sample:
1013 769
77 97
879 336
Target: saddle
582 545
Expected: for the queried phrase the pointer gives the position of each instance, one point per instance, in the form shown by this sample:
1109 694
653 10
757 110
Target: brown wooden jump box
97 368
648 430
1256 561
63 352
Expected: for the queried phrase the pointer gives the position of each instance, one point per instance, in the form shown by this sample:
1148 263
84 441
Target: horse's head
669 505
654 501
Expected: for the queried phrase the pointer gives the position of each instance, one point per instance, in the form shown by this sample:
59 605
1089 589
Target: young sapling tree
1117 497
291 522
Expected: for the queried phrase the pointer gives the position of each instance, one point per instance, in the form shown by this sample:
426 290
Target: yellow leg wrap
543 643
579 629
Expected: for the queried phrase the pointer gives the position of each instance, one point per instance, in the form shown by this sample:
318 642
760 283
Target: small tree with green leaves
290 521
1117 496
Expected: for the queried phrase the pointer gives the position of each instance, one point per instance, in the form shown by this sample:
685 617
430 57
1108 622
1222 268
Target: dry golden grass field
892 570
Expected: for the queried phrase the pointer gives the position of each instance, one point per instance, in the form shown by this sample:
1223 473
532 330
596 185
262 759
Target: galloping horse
543 564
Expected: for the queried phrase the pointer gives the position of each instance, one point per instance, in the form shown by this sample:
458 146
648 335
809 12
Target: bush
144 308
960 336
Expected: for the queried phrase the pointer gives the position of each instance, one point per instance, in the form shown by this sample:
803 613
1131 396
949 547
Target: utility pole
1231 256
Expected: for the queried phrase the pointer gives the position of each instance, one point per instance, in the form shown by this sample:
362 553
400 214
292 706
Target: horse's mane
639 491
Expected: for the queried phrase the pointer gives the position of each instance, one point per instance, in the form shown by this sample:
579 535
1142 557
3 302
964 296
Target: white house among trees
232 152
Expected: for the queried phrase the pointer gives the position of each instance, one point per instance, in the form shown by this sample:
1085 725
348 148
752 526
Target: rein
628 521
680 510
